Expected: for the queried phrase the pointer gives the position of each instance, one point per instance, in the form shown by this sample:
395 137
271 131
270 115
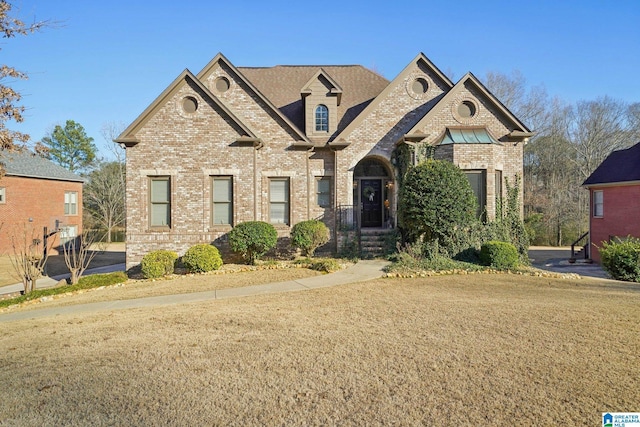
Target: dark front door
371 202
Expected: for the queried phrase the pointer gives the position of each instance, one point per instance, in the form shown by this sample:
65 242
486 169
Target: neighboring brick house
36 193
614 194
288 143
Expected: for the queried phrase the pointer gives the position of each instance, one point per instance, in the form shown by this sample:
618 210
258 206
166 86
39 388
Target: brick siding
621 212
42 201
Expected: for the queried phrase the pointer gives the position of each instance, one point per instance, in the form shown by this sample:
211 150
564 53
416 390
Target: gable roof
27 164
335 88
619 167
282 84
420 59
520 129
265 99
128 136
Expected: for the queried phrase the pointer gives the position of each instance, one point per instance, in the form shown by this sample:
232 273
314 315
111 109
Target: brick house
36 193
288 143
614 194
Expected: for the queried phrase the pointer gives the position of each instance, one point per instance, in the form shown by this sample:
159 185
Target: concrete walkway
359 272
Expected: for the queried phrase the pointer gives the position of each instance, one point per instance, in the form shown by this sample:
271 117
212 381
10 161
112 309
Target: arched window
322 118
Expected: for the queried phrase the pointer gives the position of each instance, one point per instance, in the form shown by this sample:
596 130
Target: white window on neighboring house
160 201
222 200
68 233
598 203
279 200
71 203
3 195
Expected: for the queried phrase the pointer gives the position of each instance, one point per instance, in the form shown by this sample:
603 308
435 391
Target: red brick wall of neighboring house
621 215
42 200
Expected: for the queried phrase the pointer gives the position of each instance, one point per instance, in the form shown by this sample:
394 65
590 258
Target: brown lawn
454 350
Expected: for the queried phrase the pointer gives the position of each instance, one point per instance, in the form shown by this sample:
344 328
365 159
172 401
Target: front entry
371 202
373 193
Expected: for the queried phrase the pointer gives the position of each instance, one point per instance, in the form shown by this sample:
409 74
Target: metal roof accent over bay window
467 136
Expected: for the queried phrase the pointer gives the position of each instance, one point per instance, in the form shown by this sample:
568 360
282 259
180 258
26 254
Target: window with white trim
160 201
222 200
3 195
598 203
279 200
71 203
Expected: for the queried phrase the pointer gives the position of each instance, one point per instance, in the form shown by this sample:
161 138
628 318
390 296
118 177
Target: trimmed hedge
622 259
309 235
158 263
202 258
501 255
252 239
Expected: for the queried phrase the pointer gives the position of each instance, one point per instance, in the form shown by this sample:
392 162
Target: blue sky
107 61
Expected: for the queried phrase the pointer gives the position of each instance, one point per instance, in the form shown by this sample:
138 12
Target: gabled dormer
321 96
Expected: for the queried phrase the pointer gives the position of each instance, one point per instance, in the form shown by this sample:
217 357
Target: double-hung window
279 200
598 203
477 179
3 197
222 200
71 203
323 191
160 201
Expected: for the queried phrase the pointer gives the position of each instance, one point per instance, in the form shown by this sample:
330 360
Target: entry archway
373 193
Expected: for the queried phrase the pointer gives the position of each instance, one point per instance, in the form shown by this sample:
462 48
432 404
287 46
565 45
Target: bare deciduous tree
28 257
78 254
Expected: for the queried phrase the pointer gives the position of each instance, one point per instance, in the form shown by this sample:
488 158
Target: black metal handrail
584 247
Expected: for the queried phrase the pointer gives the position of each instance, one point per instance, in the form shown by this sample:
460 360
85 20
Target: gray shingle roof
25 163
620 166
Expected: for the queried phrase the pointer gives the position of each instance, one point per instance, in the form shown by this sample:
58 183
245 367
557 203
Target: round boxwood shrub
308 235
202 258
622 259
252 239
501 255
158 263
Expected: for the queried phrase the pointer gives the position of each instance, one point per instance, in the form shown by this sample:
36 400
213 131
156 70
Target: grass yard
451 350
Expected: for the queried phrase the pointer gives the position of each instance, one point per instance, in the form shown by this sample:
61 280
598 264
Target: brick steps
372 242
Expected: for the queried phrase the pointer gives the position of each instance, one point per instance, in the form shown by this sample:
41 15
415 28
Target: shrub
158 263
252 239
622 259
501 255
434 199
308 235
202 258
327 265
